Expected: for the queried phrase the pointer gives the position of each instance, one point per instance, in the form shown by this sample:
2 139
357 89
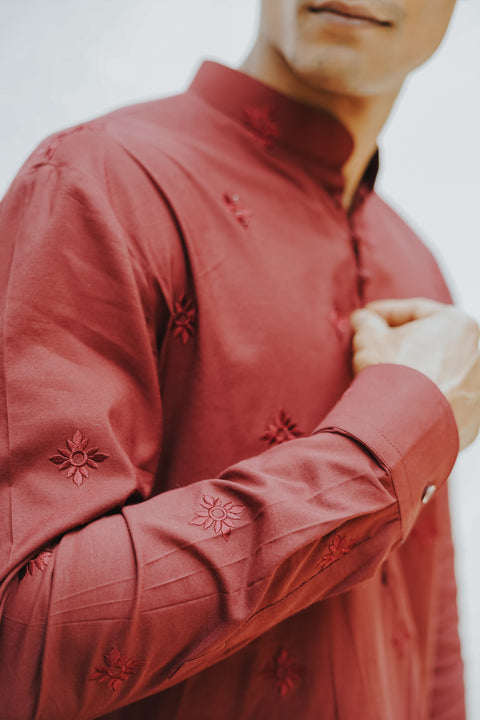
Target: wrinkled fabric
204 515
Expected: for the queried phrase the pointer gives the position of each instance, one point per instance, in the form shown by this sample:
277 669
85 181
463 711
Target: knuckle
429 305
474 328
469 322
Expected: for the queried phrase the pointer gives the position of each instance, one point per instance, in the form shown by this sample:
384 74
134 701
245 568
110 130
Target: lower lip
345 21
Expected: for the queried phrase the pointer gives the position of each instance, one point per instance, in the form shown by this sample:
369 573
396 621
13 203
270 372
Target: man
212 507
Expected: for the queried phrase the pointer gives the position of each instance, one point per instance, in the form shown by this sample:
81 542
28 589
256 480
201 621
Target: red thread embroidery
338 547
261 125
49 151
116 671
242 214
77 459
284 671
39 562
184 318
221 517
281 430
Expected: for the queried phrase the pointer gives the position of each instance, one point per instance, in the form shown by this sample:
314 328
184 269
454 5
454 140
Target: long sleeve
448 687
110 594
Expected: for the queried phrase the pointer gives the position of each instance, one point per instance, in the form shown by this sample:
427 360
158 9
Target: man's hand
438 340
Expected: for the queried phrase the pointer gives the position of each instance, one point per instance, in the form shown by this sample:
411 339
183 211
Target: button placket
358 242
363 275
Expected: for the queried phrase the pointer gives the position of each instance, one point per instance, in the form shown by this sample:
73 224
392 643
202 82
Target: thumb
368 321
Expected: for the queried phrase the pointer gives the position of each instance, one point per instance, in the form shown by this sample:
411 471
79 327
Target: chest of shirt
259 344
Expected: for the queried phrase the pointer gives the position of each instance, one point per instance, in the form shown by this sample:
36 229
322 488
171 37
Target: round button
428 493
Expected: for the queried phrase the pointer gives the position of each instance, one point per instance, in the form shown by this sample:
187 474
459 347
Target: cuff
406 423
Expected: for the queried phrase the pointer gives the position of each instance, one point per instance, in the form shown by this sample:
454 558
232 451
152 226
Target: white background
62 62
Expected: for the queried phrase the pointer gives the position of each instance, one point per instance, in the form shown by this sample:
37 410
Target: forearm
318 515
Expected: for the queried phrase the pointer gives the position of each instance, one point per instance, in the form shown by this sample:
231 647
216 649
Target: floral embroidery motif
261 125
77 459
49 151
338 547
281 430
184 318
40 562
222 517
116 671
242 214
284 671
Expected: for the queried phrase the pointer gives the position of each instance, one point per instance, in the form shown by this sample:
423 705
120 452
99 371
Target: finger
367 322
474 329
362 359
399 312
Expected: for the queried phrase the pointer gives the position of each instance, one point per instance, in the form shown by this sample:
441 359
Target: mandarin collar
279 121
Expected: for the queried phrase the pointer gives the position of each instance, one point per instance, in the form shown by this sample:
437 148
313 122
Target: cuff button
428 493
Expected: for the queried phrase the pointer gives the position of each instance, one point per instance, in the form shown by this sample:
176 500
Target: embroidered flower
261 125
116 671
39 562
222 517
48 151
77 459
338 547
281 430
242 214
284 671
184 318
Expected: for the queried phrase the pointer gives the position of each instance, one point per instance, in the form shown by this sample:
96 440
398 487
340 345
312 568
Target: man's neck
363 117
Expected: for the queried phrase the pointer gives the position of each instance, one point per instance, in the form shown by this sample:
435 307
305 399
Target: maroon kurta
203 517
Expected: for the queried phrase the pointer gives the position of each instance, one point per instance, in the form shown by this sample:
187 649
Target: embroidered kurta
204 515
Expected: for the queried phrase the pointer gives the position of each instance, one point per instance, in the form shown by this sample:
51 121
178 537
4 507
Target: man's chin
340 76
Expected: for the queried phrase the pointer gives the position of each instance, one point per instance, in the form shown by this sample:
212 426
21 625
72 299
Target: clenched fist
438 340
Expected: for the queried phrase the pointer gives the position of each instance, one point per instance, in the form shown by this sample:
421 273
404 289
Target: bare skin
352 70
351 59
438 340
363 119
